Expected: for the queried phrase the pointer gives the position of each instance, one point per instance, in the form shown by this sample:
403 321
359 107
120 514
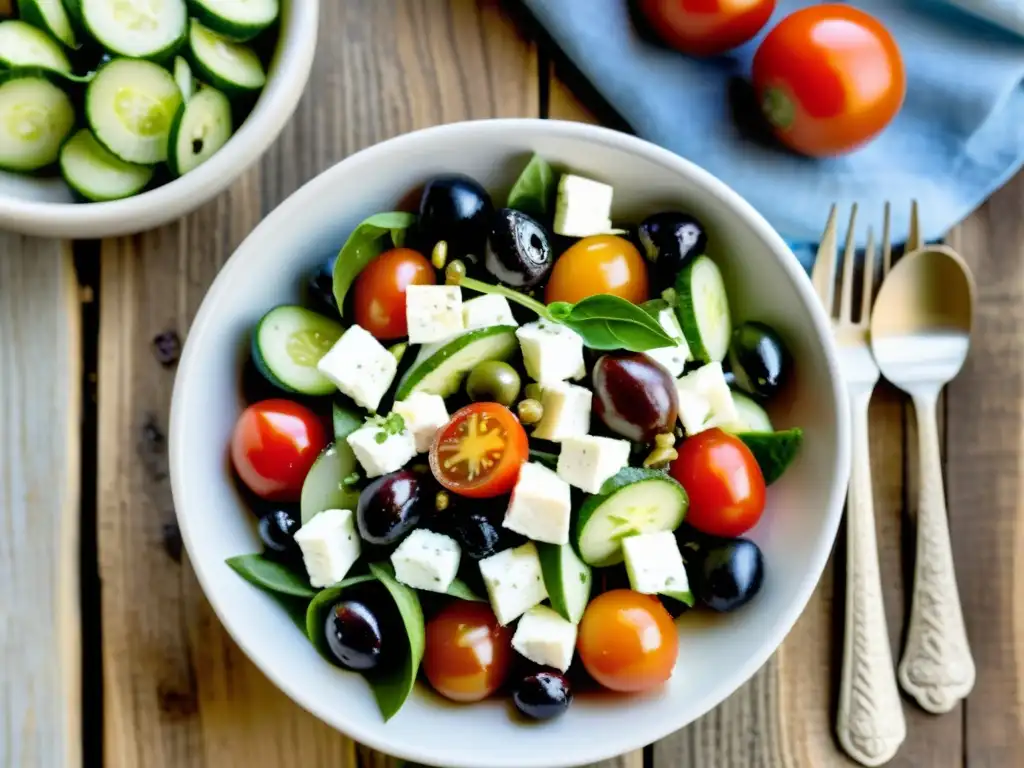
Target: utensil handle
870 723
936 668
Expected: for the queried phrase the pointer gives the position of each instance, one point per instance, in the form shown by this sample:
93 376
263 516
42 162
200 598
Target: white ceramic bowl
716 654
44 206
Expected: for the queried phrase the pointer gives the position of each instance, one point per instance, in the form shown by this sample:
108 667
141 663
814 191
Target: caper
493 381
441 501
454 272
530 411
439 256
664 451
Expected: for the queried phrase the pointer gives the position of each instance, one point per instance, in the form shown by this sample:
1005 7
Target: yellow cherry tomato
599 264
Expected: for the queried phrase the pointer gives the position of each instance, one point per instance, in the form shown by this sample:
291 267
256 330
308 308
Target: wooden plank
177 690
40 410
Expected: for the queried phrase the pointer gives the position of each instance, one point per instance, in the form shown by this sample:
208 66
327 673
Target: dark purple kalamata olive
354 635
477 535
390 507
543 696
670 241
456 209
277 531
634 396
729 575
518 250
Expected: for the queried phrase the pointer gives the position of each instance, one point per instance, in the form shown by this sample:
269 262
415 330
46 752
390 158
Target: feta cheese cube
552 352
545 638
566 412
485 311
673 359
427 560
655 565
540 507
589 461
433 312
330 546
583 207
705 400
379 451
514 582
360 367
424 414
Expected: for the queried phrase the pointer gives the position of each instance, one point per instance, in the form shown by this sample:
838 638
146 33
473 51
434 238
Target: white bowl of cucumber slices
308 444
132 115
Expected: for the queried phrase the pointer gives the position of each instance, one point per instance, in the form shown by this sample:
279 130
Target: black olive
729 575
670 241
354 635
277 531
320 286
518 250
543 696
477 535
758 359
390 507
456 209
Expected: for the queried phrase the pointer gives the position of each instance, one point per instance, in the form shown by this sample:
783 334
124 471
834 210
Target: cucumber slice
37 117
183 77
288 343
96 174
201 127
346 418
753 418
703 310
234 20
325 487
154 29
774 451
130 105
635 501
440 368
567 579
227 66
50 16
22 45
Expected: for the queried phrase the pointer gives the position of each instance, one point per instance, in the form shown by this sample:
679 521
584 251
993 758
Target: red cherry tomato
379 291
829 78
478 453
627 641
706 27
468 654
274 444
724 483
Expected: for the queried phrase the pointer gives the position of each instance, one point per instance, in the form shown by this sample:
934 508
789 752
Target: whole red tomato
379 291
706 27
829 78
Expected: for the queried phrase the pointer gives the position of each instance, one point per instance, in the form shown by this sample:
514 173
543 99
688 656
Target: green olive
494 382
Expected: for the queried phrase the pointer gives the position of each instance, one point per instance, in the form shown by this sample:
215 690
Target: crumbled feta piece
540 507
705 400
545 638
673 359
427 560
566 412
380 451
485 311
589 461
424 414
655 565
552 352
433 312
514 582
330 546
360 367
583 207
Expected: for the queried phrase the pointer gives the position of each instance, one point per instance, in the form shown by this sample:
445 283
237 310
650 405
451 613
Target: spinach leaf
316 612
609 322
534 190
549 460
364 245
271 575
461 590
392 686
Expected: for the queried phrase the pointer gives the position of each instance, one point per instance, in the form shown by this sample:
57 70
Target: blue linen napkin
959 136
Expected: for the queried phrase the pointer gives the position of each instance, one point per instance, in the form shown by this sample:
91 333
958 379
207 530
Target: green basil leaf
608 322
364 245
316 612
461 590
534 190
392 686
271 575
654 307
398 237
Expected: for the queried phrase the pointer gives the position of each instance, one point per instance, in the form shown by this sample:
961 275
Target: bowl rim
639 734
288 74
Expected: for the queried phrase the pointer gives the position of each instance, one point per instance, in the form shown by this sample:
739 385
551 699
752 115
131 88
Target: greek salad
120 96
504 447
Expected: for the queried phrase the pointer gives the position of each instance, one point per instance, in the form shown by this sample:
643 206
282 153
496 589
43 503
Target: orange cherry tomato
627 641
468 654
479 451
379 291
829 78
598 264
706 27
724 483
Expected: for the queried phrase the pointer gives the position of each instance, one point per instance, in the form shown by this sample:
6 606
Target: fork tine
823 274
886 243
914 241
867 299
849 258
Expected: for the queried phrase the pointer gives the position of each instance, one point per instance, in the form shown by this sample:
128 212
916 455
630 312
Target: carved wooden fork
870 723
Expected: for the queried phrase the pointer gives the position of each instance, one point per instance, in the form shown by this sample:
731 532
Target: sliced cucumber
774 451
440 368
183 77
36 118
567 579
201 127
753 418
238 21
635 501
287 345
227 66
130 106
96 174
325 486
50 16
703 310
22 45
154 29
346 418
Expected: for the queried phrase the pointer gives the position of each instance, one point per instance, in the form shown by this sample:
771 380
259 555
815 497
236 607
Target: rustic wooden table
119 662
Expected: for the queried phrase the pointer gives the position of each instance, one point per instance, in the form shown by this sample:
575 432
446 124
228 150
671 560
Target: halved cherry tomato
627 641
598 264
468 654
723 480
379 291
478 453
706 27
274 444
829 78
